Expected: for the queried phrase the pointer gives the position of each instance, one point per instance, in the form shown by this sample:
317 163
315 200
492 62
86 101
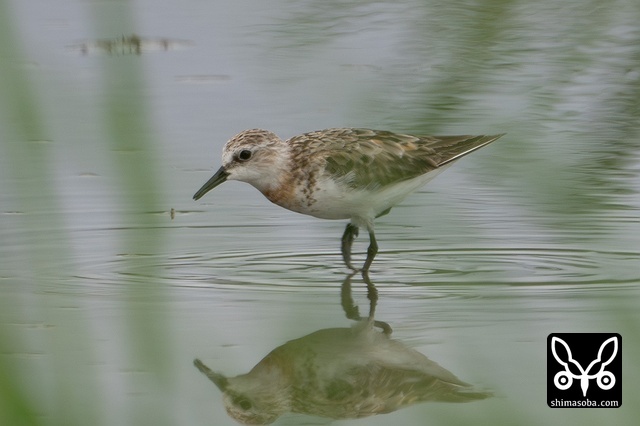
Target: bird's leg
350 232
372 295
372 250
346 299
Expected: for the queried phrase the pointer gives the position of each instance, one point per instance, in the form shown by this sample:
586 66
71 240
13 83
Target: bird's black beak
218 178
220 381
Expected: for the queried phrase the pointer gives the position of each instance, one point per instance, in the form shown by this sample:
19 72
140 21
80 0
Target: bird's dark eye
244 403
244 155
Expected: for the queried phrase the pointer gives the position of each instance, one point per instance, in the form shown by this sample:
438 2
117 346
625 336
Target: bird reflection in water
339 373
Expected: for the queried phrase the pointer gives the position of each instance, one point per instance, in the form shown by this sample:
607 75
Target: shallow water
106 299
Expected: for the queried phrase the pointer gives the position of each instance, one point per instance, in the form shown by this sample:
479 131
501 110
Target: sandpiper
343 173
339 373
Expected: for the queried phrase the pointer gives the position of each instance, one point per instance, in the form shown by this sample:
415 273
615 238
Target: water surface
105 299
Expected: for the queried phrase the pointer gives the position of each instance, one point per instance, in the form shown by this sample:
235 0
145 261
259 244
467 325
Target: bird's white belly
331 200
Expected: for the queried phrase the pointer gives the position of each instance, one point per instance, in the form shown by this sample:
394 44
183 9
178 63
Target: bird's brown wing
366 159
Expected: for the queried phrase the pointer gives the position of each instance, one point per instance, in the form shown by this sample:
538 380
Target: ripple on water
410 268
521 265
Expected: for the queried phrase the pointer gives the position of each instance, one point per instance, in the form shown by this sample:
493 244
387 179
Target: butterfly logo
564 379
